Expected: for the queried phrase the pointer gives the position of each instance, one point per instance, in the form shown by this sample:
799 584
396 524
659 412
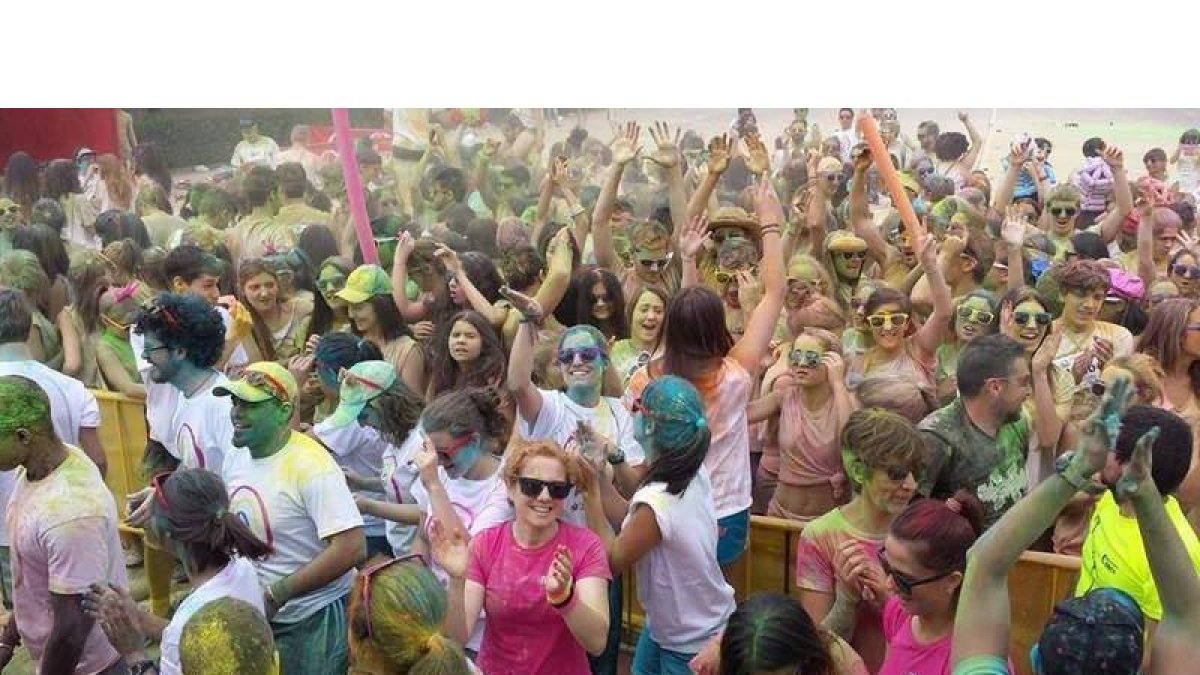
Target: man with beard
183 337
979 441
1113 553
846 255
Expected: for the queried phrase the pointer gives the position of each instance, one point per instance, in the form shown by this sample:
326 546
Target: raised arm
1145 241
760 328
666 155
930 334
695 236
482 180
981 627
1012 232
720 151
976 146
1003 197
1110 227
1175 648
411 311
860 214
624 150
1046 424
520 359
495 315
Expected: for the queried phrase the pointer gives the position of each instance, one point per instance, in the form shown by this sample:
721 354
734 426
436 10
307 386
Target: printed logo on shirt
191 454
397 493
249 505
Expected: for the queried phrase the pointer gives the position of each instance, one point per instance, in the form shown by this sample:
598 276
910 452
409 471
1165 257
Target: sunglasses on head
975 315
904 583
532 487
1023 318
157 483
1063 212
853 255
804 358
1186 271
567 355
879 320
371 571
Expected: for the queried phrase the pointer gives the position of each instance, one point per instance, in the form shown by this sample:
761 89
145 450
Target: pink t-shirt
905 655
535 639
63 531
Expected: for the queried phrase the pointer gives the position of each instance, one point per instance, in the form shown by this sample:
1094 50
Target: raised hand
720 151
529 307
405 245
423 330
558 171
862 161
766 204
559 580
757 159
1044 356
1013 229
627 146
749 289
962 116
666 153
1098 434
449 548
835 366
426 462
1188 241
1135 475
694 236
1113 157
449 258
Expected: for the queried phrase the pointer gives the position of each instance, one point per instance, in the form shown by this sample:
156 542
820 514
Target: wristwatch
143 667
617 456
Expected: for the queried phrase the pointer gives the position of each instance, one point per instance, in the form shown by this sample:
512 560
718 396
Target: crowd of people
572 359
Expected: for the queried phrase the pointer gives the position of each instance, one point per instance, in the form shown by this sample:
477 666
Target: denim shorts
733 531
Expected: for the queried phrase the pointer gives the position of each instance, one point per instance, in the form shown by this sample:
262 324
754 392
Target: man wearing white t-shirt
254 148
73 409
182 339
293 496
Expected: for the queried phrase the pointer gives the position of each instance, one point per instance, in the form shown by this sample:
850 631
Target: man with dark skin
64 539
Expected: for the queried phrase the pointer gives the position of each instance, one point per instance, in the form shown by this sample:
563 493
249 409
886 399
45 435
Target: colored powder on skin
22 407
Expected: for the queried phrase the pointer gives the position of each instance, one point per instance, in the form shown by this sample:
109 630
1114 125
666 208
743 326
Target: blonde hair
228 636
1147 374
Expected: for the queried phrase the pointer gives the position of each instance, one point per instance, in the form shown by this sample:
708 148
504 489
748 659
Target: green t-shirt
960 455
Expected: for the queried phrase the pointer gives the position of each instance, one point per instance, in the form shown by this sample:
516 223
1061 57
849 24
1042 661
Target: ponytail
946 528
197 516
232 535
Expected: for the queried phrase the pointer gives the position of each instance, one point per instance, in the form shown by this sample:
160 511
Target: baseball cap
842 241
1093 633
246 122
361 383
259 382
83 152
364 283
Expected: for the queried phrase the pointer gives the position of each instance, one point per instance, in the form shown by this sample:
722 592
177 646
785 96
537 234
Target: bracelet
563 606
768 229
271 592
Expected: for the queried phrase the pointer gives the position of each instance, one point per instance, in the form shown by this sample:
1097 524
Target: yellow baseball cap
259 382
364 283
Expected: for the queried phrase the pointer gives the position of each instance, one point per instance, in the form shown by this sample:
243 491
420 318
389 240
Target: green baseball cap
361 383
364 283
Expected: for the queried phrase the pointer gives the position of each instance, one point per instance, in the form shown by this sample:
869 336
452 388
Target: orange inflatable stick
879 155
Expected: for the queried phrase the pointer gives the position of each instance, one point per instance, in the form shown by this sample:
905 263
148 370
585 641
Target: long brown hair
1164 335
192 507
261 333
693 333
487 370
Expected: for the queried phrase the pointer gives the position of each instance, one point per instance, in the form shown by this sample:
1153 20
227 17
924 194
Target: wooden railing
1037 582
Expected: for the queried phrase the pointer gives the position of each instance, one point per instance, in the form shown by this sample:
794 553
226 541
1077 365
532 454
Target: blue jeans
732 533
316 645
651 659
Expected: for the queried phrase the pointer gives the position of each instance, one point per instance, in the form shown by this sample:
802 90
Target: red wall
56 133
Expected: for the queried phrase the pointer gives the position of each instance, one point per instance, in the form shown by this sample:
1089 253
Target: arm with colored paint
1003 197
411 311
1110 227
344 550
520 359
760 328
1175 649
929 336
982 624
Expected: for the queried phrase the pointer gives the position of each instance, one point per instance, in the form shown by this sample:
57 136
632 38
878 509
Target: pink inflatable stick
354 187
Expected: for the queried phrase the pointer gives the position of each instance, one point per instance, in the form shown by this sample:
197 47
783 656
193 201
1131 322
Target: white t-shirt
558 420
72 407
201 431
293 500
679 582
236 580
480 504
161 397
359 450
264 151
399 475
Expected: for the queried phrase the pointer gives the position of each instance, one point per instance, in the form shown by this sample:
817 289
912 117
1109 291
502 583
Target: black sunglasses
588 354
1022 318
532 487
904 583
1186 271
1065 212
853 255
